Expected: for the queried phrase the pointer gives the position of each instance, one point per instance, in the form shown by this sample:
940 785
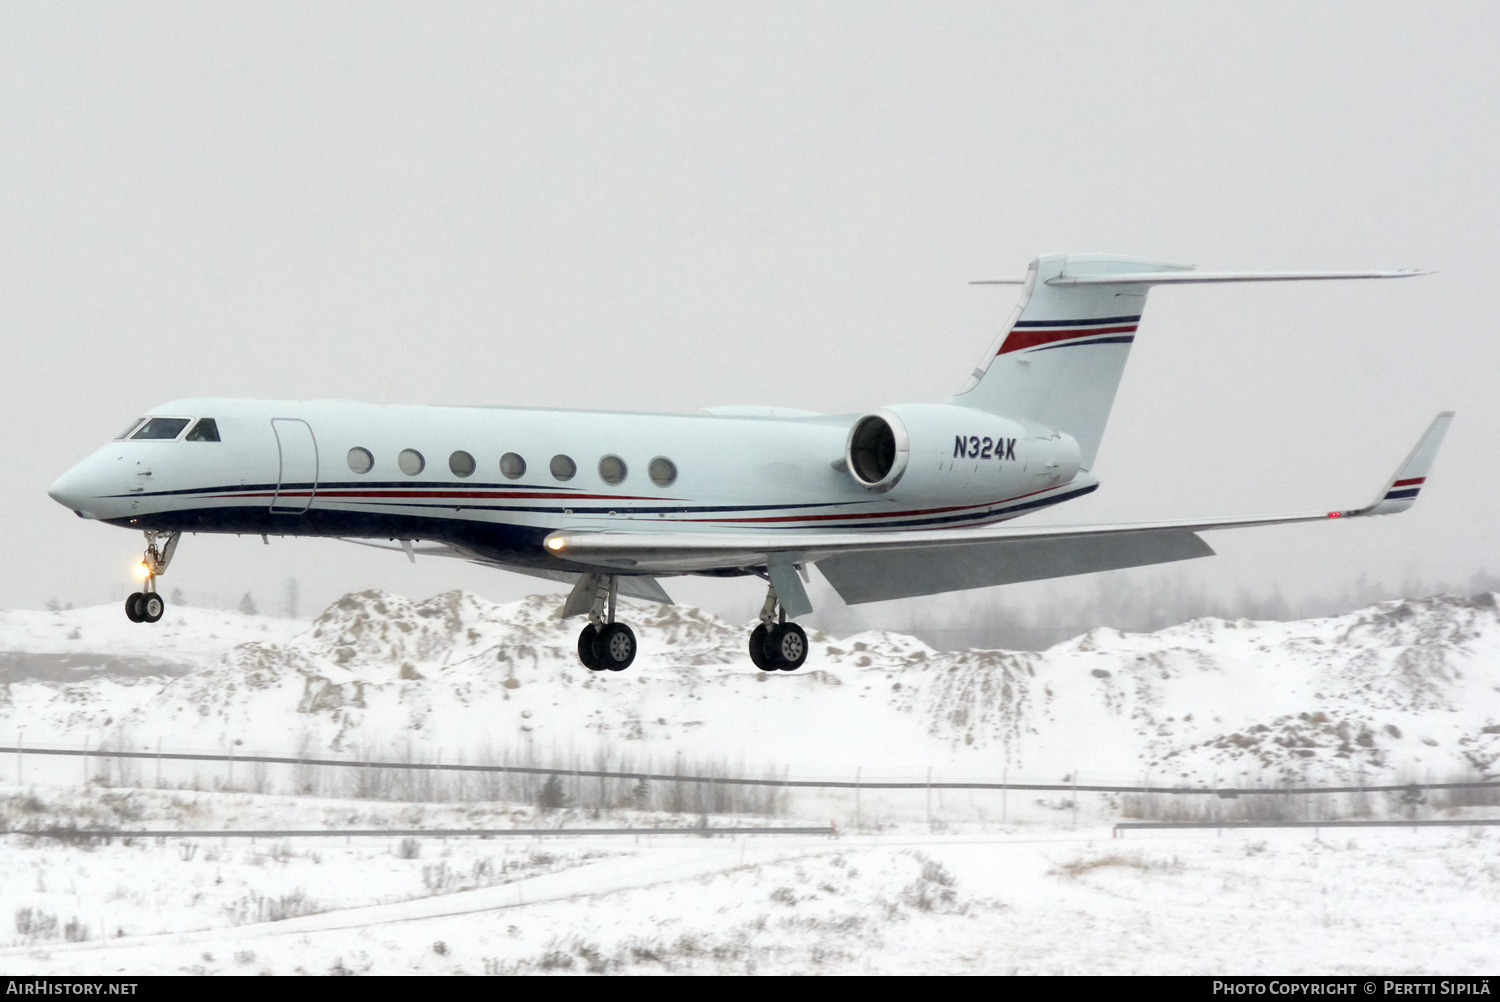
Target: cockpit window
133 426
162 428
206 430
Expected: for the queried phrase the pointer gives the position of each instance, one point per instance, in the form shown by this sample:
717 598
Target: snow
1399 691
993 899
973 883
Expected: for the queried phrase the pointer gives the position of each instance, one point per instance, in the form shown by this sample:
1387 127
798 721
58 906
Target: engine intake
877 450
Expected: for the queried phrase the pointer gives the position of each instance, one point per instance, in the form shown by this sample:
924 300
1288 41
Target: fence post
929 796
857 821
230 784
158 761
85 760
20 751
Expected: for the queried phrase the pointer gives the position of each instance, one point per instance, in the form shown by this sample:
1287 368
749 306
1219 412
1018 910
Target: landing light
142 571
554 544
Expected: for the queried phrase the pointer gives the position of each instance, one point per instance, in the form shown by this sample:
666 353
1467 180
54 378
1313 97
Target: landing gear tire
758 649
150 607
133 608
586 653
615 647
786 646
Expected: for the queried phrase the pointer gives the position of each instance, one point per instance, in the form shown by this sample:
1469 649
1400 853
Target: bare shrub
408 848
551 796
556 960
933 890
33 923
1133 861
437 877
255 907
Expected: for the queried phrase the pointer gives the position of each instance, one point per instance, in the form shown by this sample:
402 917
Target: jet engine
923 453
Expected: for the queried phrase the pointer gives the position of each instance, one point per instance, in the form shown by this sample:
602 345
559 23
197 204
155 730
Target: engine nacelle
926 453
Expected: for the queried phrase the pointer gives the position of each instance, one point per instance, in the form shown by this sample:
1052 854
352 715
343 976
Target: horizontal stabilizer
1206 277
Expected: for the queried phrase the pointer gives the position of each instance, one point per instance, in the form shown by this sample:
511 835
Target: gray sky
671 206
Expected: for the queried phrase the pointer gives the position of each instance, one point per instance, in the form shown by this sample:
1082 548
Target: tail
1059 359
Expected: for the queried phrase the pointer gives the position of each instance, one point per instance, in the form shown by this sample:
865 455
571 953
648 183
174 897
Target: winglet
1400 492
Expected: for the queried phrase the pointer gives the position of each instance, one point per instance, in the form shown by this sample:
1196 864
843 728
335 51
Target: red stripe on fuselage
872 514
498 496
1031 338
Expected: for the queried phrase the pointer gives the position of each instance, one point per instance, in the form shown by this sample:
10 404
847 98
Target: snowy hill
1396 691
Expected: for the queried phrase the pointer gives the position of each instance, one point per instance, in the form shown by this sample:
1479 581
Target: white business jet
898 502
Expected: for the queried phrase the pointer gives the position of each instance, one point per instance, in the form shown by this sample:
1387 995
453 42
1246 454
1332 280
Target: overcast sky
672 206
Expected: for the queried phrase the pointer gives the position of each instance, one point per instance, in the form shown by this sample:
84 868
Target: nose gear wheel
146 606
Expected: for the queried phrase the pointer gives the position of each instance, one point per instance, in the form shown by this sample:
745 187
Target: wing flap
878 576
684 552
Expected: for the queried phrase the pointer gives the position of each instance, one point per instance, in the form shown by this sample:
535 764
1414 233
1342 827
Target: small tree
551 796
247 606
53 605
290 594
177 597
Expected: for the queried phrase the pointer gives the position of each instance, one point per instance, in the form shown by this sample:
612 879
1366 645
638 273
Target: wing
880 565
642 586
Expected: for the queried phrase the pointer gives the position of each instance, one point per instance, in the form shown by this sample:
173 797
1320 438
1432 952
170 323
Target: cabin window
411 462
162 428
206 430
360 460
563 467
663 471
133 426
612 469
513 466
461 463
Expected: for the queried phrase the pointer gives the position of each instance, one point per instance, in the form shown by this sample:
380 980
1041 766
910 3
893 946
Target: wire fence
1126 826
770 781
75 834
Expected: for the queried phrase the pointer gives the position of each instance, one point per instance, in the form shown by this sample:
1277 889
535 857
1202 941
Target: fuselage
496 481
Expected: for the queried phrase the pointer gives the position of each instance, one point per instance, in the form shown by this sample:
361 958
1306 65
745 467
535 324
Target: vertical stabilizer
1059 360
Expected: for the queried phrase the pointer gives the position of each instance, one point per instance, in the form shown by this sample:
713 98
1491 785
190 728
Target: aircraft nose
72 490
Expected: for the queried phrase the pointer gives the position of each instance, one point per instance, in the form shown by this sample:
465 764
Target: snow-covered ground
964 882
973 899
1398 691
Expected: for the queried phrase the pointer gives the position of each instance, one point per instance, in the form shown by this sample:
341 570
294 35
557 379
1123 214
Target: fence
718 791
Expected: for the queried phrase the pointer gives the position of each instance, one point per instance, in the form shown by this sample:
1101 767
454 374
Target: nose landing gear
146 606
776 645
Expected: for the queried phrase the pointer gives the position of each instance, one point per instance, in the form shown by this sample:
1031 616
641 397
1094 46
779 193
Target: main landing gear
776 645
605 645
146 606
